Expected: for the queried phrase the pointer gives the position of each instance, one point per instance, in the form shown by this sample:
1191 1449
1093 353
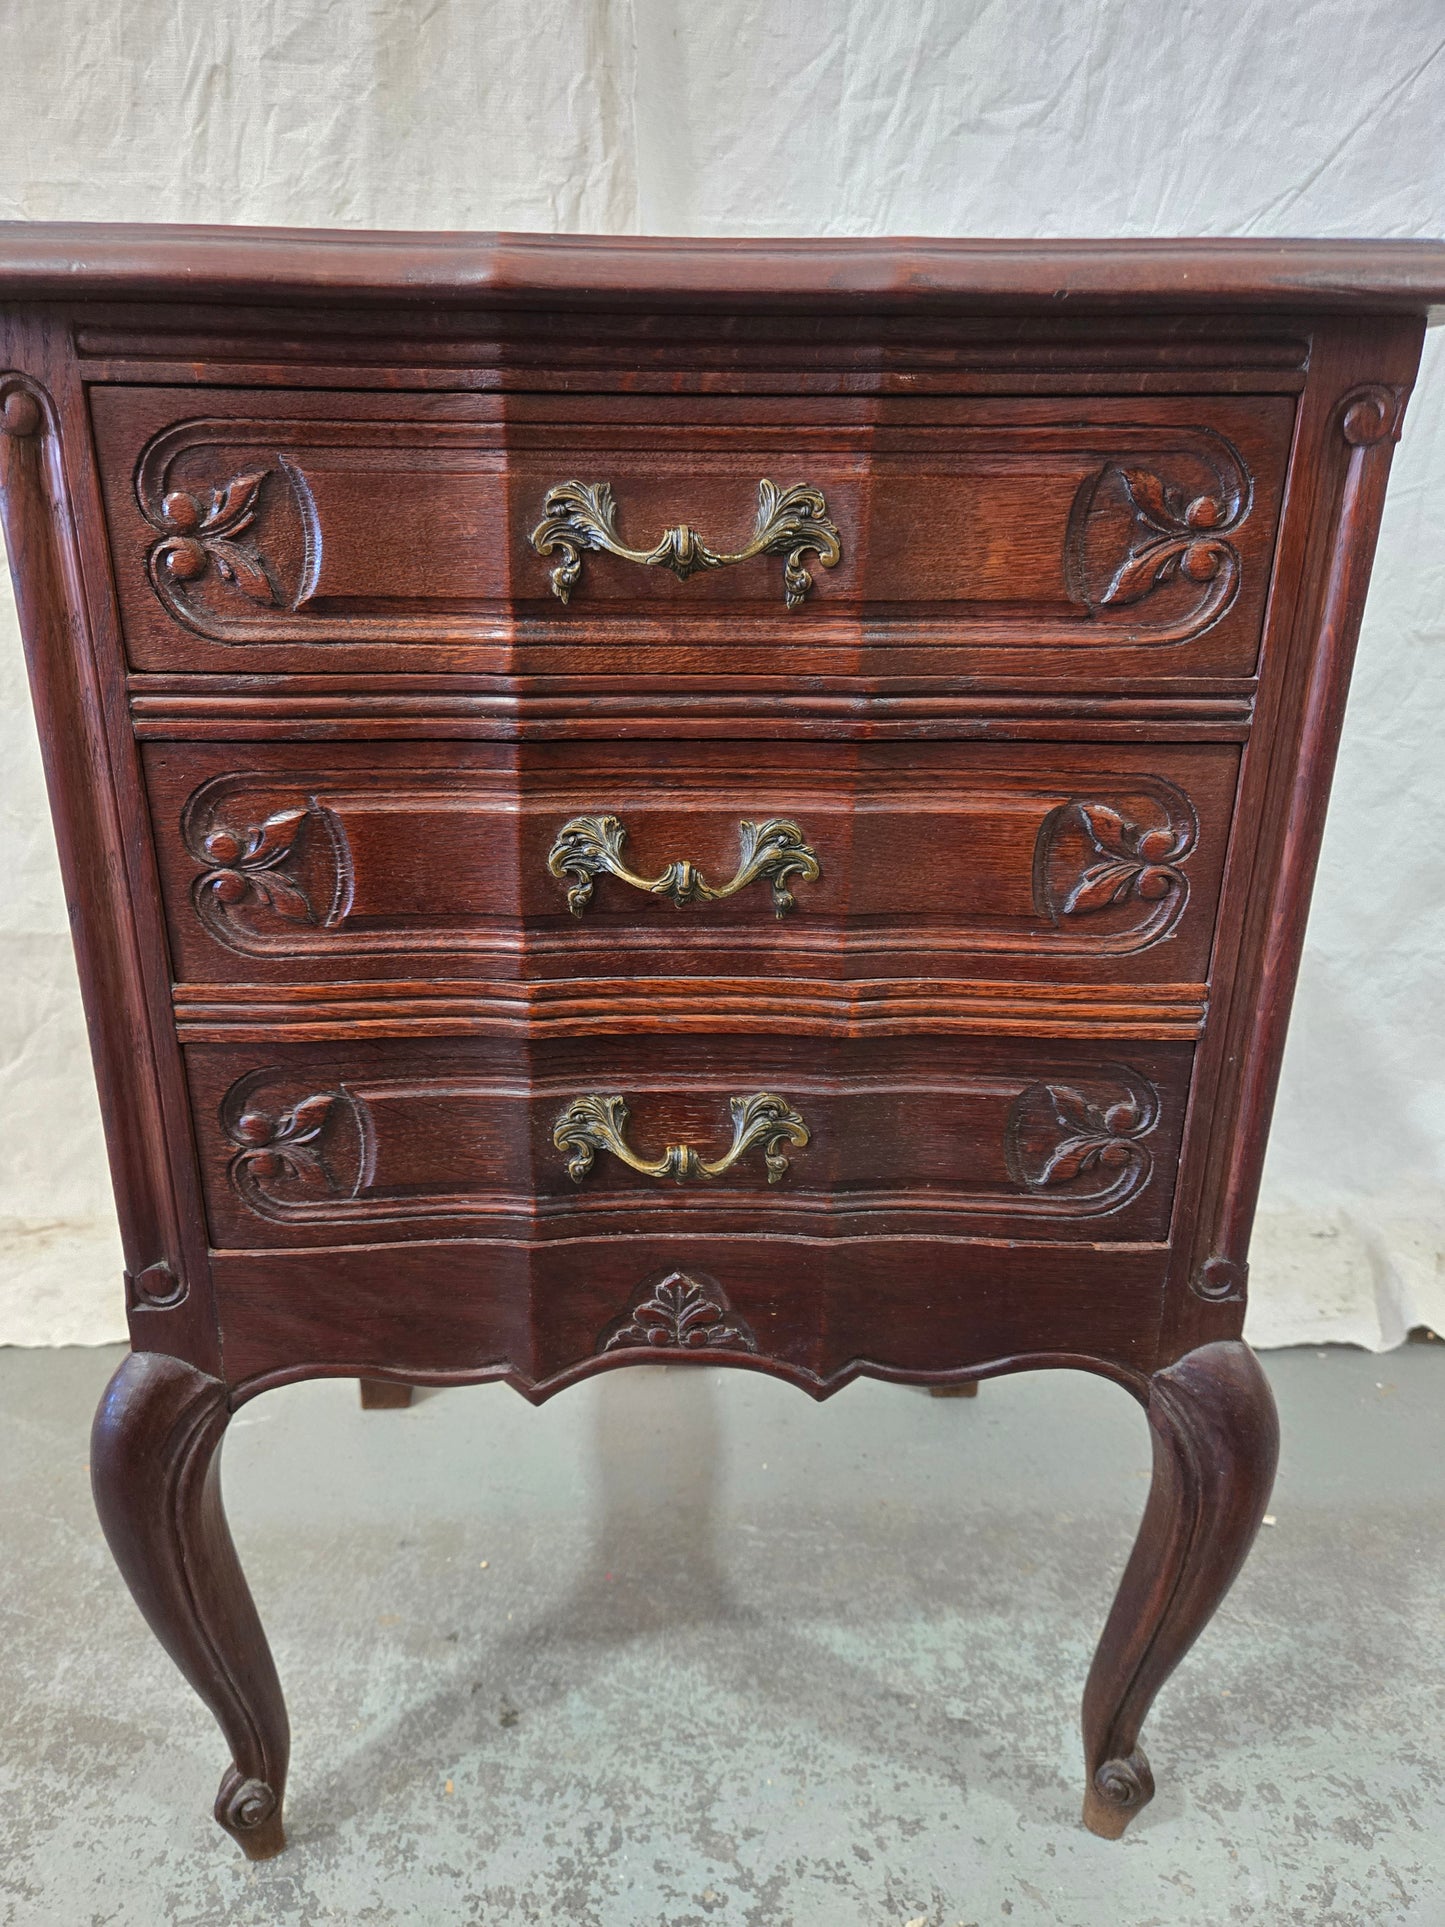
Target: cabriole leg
1216 1441
156 1477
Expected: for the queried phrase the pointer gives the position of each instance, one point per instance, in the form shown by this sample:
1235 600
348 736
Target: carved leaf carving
233 508
247 572
1133 530
1090 855
1061 1134
1155 502
681 1314
200 531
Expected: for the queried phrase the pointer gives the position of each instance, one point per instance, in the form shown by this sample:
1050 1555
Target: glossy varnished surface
752 803
40 260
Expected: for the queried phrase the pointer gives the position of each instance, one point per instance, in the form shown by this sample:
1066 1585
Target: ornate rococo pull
591 1124
792 522
591 846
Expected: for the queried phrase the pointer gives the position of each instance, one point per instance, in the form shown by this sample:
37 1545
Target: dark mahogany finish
634 801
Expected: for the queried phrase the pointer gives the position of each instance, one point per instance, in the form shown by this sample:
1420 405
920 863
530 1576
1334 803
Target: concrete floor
684 1648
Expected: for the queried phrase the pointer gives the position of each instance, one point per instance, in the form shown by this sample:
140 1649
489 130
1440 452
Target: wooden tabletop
98 260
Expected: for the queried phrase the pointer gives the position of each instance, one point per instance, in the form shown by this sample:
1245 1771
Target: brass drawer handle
592 1124
591 846
791 521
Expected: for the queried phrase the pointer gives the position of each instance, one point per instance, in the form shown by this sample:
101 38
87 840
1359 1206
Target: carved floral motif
1134 530
294 862
684 1314
1060 1134
1112 857
285 1144
248 867
203 530
290 1158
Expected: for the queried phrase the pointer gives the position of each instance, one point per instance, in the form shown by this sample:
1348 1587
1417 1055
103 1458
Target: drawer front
1025 537
1071 863
404 1139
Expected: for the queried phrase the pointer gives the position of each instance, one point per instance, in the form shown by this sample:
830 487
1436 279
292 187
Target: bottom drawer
403 1139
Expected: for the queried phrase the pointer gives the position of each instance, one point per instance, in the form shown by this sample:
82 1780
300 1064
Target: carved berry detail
1134 530
1086 1138
201 531
1091 856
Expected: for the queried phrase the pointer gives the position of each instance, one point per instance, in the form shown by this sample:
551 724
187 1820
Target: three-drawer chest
740 802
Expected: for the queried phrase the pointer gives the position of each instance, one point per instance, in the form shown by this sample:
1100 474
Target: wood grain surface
520 939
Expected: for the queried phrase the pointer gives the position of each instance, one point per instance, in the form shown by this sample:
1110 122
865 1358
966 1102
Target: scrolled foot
1215 1442
157 1490
1118 1790
250 1811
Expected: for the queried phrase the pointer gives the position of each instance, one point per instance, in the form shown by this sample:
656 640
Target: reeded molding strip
625 1006
354 711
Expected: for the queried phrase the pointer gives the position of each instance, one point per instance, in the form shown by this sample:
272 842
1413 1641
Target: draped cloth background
986 117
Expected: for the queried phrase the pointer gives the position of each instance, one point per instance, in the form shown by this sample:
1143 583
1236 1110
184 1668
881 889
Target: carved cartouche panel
1094 856
271 869
1141 530
679 1313
1084 1136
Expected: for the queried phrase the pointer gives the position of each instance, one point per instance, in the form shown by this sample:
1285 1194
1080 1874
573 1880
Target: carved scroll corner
159 1287
679 1312
22 407
1373 412
1220 1281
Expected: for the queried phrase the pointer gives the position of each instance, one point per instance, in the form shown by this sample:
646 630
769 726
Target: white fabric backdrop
989 117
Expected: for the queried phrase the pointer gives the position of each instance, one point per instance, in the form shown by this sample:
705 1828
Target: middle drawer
478 862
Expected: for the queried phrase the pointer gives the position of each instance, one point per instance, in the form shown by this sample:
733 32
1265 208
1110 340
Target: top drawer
1068 540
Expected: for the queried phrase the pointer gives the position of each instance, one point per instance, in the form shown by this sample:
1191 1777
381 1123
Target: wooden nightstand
639 800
